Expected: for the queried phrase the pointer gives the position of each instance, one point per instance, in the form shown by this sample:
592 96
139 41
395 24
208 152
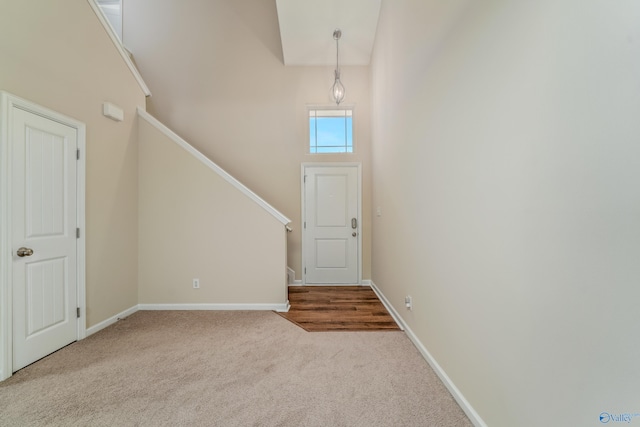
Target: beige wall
217 77
505 159
61 58
194 224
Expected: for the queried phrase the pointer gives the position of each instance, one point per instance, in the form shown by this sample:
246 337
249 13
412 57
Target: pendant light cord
336 35
338 54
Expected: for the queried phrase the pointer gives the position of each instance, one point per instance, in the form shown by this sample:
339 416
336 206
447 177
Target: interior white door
331 225
44 213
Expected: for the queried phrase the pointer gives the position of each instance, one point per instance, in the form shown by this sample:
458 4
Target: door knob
354 234
22 252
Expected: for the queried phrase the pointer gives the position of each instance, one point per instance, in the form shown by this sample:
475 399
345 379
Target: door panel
45 175
331 244
331 253
331 200
44 218
45 294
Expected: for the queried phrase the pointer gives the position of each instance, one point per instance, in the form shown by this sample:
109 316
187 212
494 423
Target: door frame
303 167
7 103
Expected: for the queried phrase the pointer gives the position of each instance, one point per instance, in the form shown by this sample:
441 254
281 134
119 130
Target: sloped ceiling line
306 30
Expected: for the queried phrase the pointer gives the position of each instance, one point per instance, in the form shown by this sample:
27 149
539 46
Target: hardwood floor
338 308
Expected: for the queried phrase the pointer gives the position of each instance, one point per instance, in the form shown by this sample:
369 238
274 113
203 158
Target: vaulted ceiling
306 30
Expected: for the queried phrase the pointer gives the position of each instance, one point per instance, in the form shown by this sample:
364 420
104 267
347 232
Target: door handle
22 252
354 223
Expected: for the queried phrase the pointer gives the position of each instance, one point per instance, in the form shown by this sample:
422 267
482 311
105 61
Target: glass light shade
337 90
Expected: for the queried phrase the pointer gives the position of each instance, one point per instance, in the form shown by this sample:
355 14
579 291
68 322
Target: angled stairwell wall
58 55
195 221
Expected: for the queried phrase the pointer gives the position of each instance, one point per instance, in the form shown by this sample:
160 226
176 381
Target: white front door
43 226
331 224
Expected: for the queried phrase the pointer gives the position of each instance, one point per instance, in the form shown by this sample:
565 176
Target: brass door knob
22 252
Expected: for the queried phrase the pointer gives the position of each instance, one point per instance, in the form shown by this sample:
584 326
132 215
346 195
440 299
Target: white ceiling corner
306 30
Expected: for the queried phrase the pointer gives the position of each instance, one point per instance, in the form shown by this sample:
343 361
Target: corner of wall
474 417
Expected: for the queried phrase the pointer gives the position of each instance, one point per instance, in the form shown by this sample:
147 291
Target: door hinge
78 312
78 154
77 233
305 224
305 270
305 178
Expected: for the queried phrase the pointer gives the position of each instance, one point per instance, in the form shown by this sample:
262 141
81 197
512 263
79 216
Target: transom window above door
330 130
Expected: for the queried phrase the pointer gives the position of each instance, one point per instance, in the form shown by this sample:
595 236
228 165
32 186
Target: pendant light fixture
337 90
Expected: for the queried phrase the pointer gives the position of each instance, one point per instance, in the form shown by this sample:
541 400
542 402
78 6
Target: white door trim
304 214
7 103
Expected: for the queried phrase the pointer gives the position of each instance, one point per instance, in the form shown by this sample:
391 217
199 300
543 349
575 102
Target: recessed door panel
45 300
331 200
332 253
45 182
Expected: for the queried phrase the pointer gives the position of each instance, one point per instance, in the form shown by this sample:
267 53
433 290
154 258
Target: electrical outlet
378 211
196 283
408 302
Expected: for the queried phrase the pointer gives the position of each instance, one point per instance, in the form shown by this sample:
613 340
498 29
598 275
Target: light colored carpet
202 368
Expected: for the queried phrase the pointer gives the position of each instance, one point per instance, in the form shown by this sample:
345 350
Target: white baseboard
110 321
299 283
216 307
283 308
328 284
474 417
392 311
291 278
288 306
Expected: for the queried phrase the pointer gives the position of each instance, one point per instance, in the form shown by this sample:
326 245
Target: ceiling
306 30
